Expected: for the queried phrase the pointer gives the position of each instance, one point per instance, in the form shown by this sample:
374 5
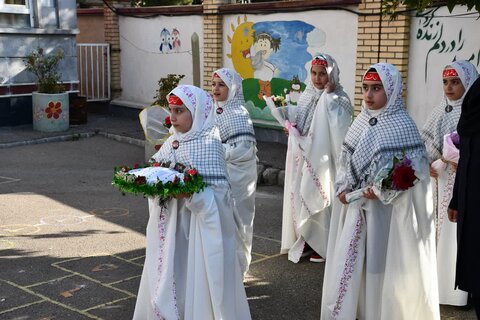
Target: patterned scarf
233 120
308 100
370 139
200 147
445 117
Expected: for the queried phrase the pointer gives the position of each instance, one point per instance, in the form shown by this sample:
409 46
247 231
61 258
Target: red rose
167 123
192 172
403 177
158 146
186 178
156 164
135 166
140 180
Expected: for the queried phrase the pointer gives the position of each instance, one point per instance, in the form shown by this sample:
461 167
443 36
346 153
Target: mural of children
263 46
165 41
176 40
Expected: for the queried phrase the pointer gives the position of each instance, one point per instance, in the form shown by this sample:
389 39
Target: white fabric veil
444 119
233 120
200 105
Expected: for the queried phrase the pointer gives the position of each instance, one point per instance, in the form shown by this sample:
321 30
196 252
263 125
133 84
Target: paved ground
72 247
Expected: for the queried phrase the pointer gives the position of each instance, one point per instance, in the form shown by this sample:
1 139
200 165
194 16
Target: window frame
19 9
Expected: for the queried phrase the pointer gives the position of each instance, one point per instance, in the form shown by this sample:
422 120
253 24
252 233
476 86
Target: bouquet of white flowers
283 112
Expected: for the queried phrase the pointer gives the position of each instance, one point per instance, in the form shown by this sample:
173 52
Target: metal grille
94 70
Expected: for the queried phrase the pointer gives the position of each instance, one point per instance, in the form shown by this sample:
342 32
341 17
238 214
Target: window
14 6
15 13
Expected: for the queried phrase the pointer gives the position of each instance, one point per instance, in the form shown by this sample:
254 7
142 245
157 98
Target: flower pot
50 111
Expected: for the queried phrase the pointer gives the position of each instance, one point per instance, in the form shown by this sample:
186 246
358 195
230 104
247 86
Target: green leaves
391 7
165 85
129 183
45 68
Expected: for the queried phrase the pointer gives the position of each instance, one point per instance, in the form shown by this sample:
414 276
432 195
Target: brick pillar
212 40
112 36
380 40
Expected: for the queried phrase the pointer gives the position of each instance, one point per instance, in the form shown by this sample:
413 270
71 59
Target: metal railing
94 70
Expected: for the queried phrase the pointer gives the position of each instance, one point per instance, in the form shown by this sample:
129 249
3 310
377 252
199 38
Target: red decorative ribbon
450 73
175 100
372 76
317 61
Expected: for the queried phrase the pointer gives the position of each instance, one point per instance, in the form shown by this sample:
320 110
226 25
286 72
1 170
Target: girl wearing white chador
191 270
381 255
238 138
443 121
321 123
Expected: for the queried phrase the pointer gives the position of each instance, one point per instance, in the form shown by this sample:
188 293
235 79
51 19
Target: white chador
381 254
238 138
314 143
191 269
444 121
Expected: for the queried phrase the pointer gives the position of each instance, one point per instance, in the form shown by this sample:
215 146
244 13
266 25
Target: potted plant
50 104
155 119
165 85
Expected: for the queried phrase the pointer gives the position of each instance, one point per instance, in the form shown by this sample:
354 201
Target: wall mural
431 29
272 57
170 41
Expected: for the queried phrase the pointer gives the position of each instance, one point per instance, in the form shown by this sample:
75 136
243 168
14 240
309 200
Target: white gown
184 276
238 138
310 172
241 161
446 242
381 261
191 268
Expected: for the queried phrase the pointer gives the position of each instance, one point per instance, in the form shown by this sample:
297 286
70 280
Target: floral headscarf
199 103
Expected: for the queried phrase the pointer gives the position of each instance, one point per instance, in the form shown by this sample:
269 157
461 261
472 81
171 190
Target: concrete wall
438 38
50 31
150 51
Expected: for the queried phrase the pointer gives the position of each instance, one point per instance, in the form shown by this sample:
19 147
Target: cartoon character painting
241 41
295 90
165 41
272 58
264 45
176 43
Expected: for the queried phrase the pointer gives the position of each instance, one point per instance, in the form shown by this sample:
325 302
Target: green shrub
45 68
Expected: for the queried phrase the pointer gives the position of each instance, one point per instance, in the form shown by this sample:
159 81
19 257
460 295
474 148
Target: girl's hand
452 215
369 194
454 166
330 87
342 197
433 172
